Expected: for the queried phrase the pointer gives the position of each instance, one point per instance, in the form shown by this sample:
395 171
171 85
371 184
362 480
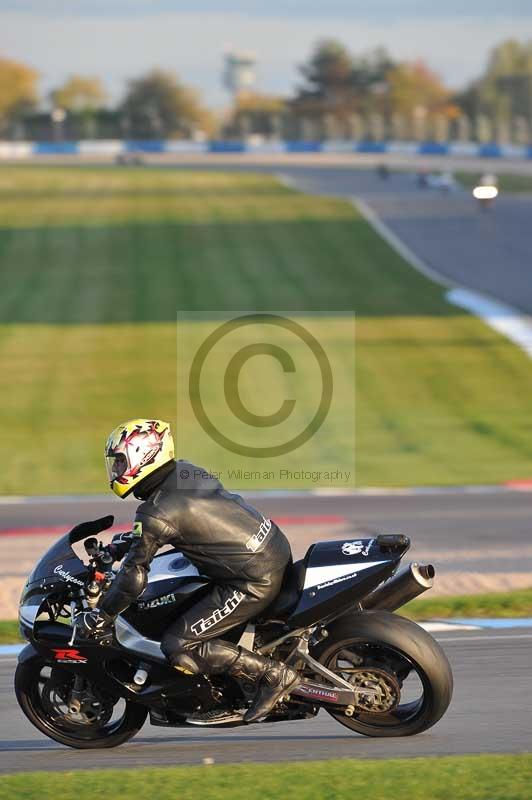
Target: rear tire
404 643
28 681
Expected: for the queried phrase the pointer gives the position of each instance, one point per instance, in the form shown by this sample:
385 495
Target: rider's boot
272 680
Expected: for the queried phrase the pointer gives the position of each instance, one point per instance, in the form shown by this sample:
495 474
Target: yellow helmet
134 450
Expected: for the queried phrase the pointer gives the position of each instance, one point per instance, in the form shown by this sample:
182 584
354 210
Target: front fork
76 695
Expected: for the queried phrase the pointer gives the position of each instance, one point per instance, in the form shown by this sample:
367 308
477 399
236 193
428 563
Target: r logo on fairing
66 656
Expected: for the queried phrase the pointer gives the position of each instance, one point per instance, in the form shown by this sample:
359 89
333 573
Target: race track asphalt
477 541
490 713
486 251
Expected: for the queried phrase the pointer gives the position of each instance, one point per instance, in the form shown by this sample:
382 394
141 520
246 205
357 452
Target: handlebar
101 556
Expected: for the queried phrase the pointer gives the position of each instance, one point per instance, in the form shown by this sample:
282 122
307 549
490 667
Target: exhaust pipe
407 584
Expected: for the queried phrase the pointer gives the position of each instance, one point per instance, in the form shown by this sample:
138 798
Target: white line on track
506 320
483 637
394 241
367 491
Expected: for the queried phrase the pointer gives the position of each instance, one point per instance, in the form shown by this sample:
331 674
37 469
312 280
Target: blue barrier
155 146
490 151
145 146
433 149
226 147
56 148
371 147
303 147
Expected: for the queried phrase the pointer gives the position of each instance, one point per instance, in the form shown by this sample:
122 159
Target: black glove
120 544
93 623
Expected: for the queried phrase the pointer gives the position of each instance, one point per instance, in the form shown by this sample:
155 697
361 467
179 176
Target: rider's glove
93 623
120 544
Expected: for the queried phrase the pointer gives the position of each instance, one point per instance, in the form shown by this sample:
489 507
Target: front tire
37 686
400 648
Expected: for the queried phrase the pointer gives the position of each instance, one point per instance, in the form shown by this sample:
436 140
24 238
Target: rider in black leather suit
245 554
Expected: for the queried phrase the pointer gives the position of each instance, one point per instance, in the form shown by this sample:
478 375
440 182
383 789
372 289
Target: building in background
239 74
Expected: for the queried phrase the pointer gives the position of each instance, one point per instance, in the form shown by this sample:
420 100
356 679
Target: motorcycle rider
245 555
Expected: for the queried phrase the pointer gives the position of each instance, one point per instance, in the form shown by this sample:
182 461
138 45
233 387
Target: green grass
9 632
506 183
107 246
493 777
517 603
99 260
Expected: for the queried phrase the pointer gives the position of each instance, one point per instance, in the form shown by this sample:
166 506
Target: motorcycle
486 191
376 673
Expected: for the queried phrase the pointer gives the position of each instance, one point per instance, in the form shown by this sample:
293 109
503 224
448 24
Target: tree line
340 95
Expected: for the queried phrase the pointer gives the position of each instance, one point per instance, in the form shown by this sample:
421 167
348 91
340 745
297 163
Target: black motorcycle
377 673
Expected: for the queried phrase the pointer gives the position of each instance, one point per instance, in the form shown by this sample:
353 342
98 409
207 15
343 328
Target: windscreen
60 561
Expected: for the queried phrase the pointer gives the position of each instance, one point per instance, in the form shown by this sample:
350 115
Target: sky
119 39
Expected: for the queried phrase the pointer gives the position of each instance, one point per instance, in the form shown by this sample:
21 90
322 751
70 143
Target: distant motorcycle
486 191
374 672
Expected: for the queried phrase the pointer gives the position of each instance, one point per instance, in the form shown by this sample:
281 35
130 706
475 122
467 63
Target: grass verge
9 632
501 604
493 777
99 260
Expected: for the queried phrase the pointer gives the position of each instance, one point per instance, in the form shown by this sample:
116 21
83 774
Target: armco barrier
55 148
109 148
146 146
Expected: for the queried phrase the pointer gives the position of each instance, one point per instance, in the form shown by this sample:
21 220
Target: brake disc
376 691
92 710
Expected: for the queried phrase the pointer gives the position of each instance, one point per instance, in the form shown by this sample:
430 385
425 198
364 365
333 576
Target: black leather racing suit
227 540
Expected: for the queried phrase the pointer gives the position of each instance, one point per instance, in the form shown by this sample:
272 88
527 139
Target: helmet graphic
134 450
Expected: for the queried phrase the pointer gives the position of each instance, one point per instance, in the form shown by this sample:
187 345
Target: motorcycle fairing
59 556
332 577
58 569
62 554
174 584
339 574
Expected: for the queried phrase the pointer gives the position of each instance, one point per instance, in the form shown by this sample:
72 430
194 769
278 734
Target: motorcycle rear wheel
42 691
402 649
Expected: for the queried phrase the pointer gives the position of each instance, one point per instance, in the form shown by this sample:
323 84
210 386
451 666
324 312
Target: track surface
484 251
480 538
490 713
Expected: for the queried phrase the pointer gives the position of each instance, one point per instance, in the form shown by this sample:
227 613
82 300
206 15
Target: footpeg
216 718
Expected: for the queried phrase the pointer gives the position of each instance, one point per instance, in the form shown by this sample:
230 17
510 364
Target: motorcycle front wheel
43 693
402 676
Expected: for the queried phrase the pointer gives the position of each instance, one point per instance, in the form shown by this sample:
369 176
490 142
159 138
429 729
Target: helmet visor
116 466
